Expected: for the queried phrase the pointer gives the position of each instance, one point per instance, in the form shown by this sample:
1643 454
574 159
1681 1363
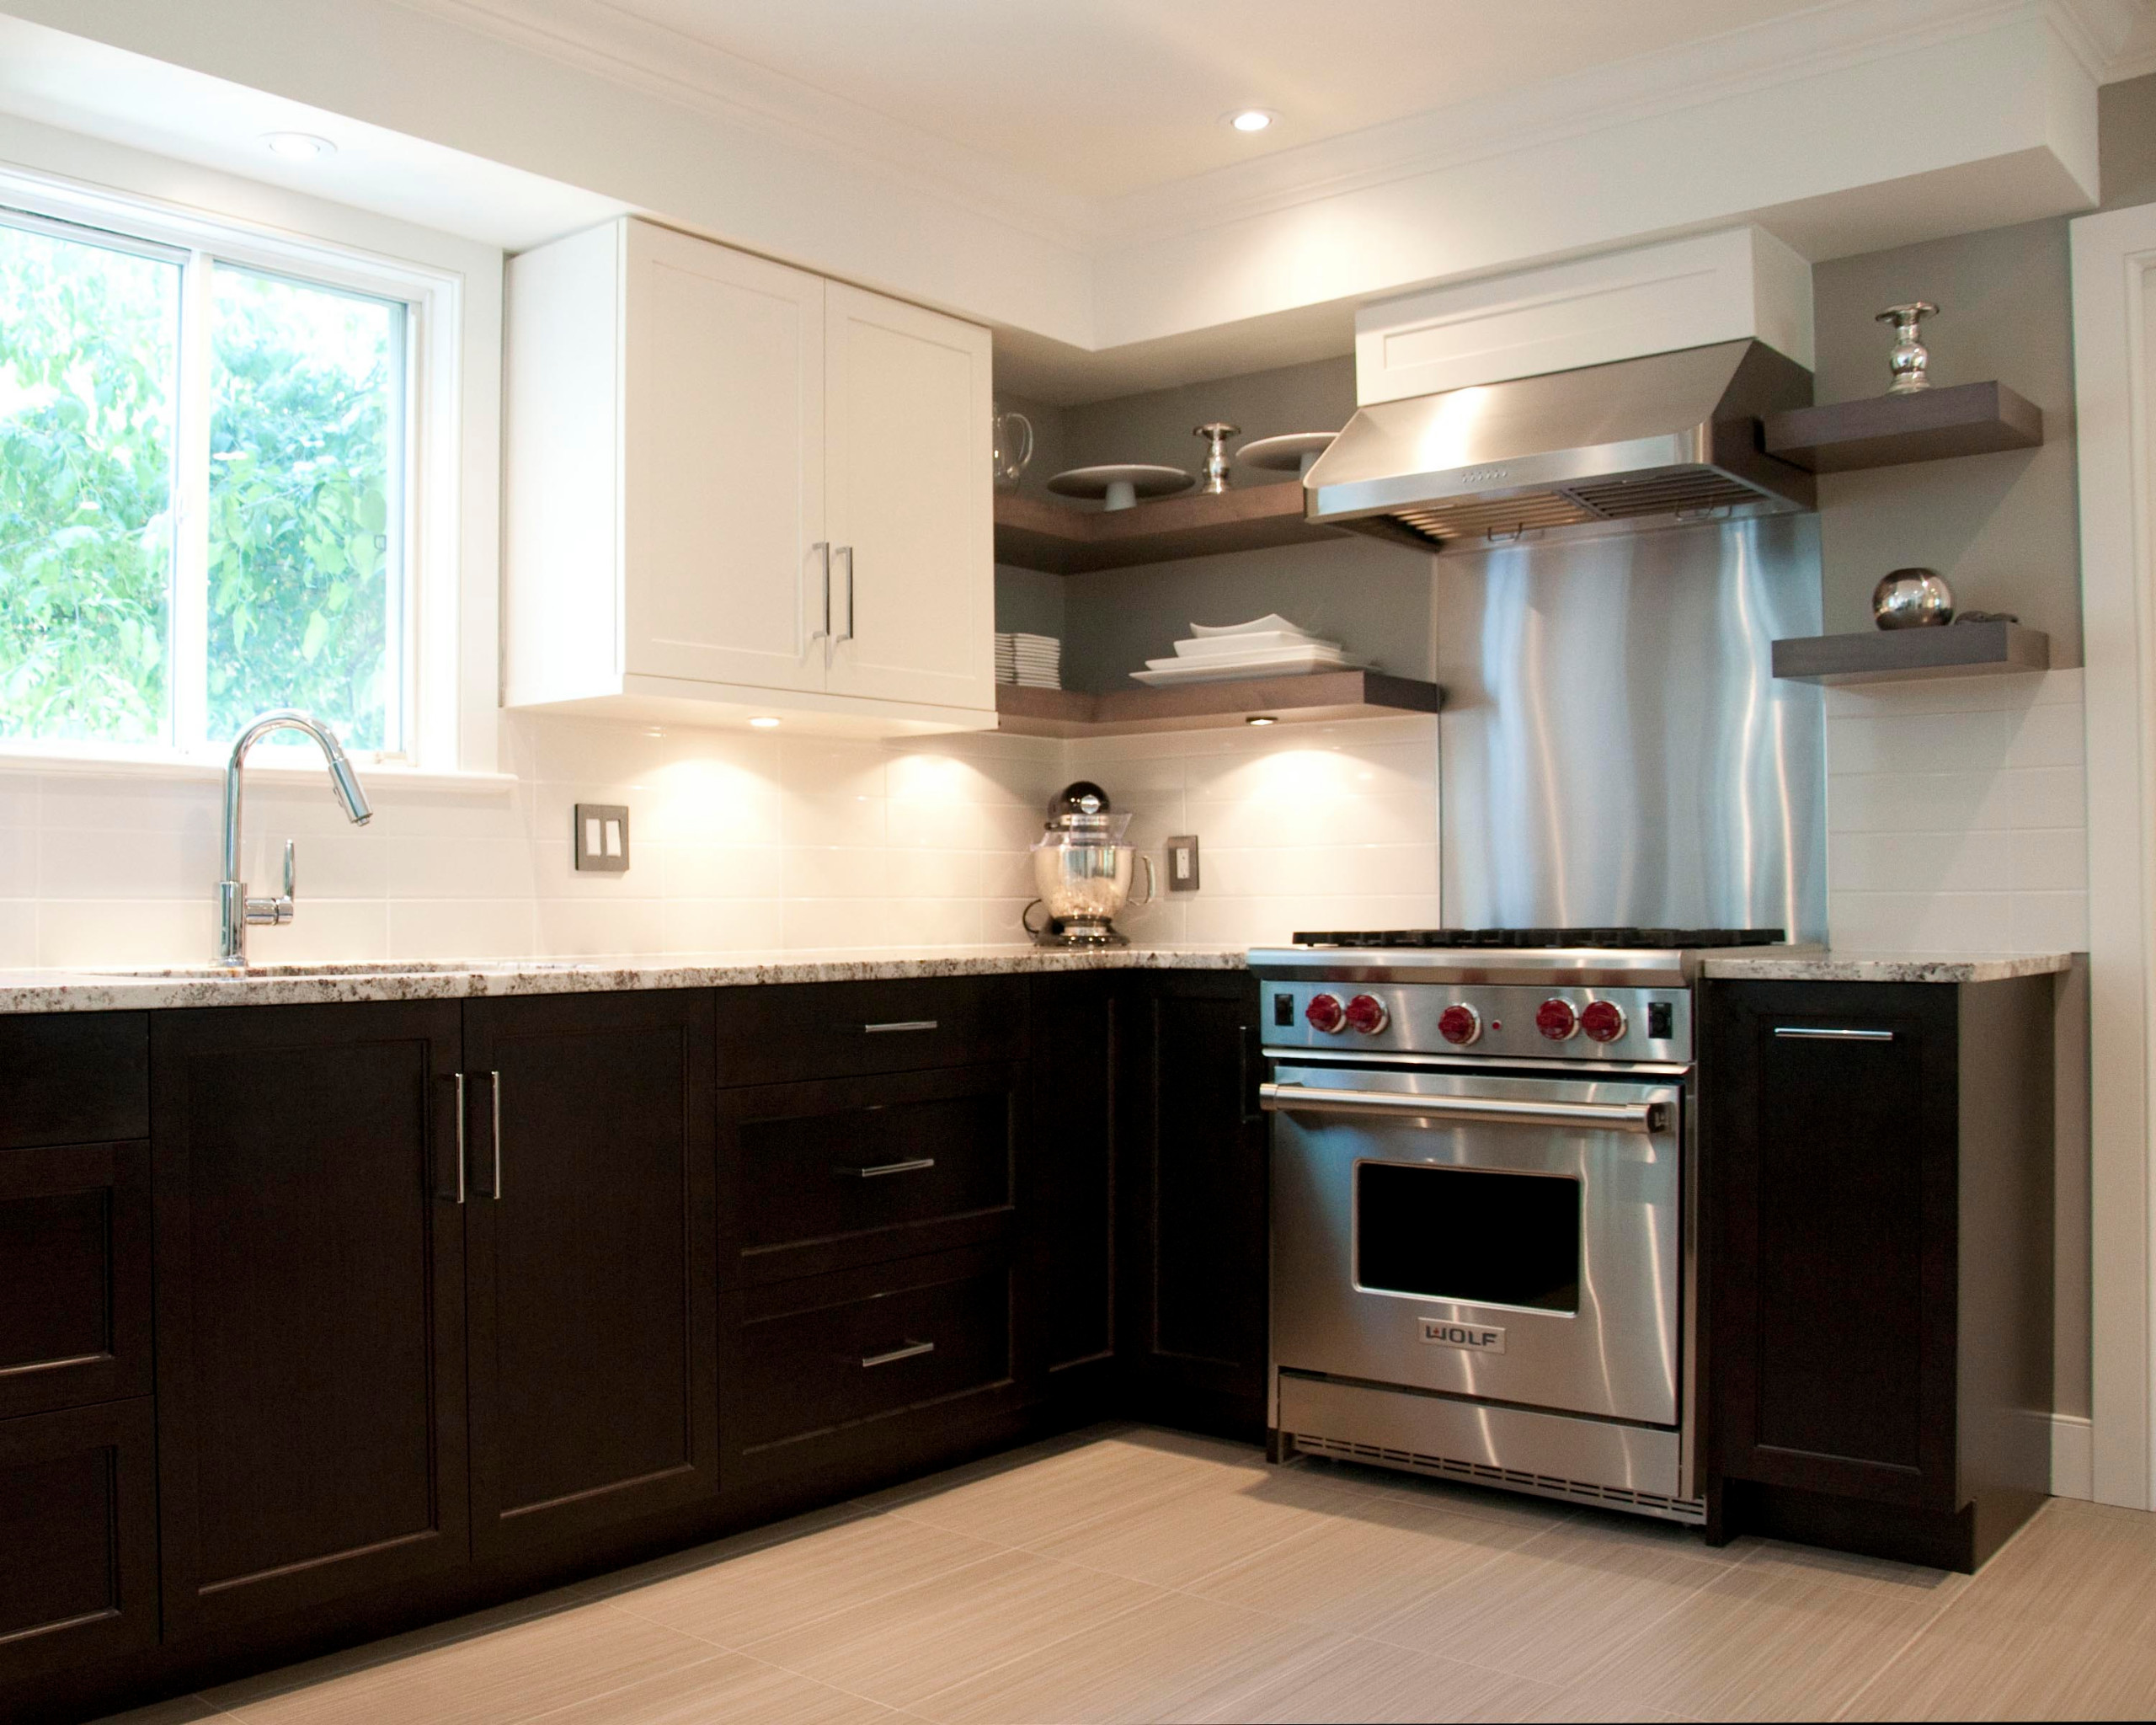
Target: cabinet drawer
855 1171
832 1351
74 1276
78 1538
74 1078
781 1034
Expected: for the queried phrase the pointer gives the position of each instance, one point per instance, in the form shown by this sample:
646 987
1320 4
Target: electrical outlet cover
1182 863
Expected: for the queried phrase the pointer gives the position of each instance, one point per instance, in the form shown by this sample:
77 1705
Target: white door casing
2114 256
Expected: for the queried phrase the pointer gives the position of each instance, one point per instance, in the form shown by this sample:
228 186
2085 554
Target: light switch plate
1182 863
602 838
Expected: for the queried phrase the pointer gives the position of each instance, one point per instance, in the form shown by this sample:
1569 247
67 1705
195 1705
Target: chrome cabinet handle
898 1024
1802 1033
905 1350
1646 1116
911 1167
460 1137
846 552
823 548
497 1078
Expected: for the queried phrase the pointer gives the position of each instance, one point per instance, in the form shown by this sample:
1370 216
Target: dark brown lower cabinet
310 1305
79 1538
1192 1268
591 1283
1066 1198
825 1362
1877 1163
74 1276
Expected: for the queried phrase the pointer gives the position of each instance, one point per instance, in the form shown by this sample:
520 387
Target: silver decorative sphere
1910 598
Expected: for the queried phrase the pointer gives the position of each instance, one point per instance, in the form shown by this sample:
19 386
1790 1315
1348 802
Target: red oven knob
1556 1020
1461 1026
1366 1013
1325 1014
1604 1021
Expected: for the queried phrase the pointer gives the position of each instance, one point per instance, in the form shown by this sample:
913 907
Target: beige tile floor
1127 1573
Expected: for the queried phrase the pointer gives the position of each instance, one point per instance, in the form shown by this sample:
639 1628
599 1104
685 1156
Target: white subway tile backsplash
1957 814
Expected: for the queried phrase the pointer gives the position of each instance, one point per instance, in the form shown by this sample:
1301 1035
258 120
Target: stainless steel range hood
1671 437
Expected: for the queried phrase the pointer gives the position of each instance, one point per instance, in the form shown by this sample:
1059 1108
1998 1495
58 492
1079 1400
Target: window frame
429 693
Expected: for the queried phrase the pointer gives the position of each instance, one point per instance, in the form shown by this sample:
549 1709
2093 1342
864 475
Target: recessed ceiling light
1251 119
298 145
763 724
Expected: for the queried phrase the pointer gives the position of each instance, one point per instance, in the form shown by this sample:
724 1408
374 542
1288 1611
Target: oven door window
1468 1236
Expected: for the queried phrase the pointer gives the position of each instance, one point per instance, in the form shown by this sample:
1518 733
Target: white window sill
265 763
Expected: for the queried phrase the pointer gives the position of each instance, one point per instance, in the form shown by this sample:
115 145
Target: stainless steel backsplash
1615 747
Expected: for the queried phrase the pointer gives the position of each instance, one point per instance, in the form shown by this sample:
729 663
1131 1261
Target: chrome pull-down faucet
235 909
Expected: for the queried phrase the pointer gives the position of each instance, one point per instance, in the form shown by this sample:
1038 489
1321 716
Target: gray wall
2001 528
1372 597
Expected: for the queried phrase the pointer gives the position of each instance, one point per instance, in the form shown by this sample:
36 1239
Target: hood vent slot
1699 491
1671 437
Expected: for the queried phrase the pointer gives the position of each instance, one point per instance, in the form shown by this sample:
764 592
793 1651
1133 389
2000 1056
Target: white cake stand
1292 453
1121 483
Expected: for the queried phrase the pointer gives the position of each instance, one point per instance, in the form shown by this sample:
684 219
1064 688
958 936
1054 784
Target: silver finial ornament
1217 434
1910 356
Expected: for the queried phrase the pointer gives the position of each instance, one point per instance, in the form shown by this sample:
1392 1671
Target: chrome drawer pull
914 1166
1487 1110
1798 1032
899 1024
905 1350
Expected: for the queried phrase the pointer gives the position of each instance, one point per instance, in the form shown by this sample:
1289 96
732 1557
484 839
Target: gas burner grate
1457 939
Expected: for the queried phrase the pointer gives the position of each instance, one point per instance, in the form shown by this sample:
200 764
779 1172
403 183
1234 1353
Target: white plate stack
1265 647
1030 661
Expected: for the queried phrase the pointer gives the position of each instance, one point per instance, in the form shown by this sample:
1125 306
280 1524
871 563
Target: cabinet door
78 1538
912 503
1194 1282
1067 1174
1829 1141
74 1276
590 1243
722 465
310 1305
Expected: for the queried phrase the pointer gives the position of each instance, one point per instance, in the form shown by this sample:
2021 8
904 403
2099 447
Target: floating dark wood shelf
1303 700
1885 431
1035 535
1899 656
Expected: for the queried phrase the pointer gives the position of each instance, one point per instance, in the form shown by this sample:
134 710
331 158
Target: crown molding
2102 34
1825 39
607 42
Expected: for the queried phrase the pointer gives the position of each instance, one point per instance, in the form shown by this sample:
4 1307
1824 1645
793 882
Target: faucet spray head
346 783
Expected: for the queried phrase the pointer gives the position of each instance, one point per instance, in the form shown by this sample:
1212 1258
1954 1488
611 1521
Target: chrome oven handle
1644 1117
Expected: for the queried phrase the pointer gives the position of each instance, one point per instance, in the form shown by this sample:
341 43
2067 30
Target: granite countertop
1825 965
134 989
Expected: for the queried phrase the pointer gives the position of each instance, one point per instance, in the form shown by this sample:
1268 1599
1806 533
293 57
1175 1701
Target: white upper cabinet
735 488
911 501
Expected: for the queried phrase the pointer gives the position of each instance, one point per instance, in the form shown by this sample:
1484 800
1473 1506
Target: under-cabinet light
1261 718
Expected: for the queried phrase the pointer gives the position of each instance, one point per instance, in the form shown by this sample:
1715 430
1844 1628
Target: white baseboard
2073 1457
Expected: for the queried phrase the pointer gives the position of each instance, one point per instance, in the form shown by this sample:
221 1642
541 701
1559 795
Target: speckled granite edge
96 992
1886 967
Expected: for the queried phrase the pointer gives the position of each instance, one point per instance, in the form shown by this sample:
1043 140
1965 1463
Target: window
203 493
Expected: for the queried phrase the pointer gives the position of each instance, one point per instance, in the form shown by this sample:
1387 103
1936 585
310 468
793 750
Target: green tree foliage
299 507
89 344
304 407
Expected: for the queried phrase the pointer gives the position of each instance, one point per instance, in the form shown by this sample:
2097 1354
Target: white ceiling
1103 98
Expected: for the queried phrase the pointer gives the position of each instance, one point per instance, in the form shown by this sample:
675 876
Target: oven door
1511 1239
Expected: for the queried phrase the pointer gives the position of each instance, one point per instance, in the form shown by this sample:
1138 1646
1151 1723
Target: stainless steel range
1482 1173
